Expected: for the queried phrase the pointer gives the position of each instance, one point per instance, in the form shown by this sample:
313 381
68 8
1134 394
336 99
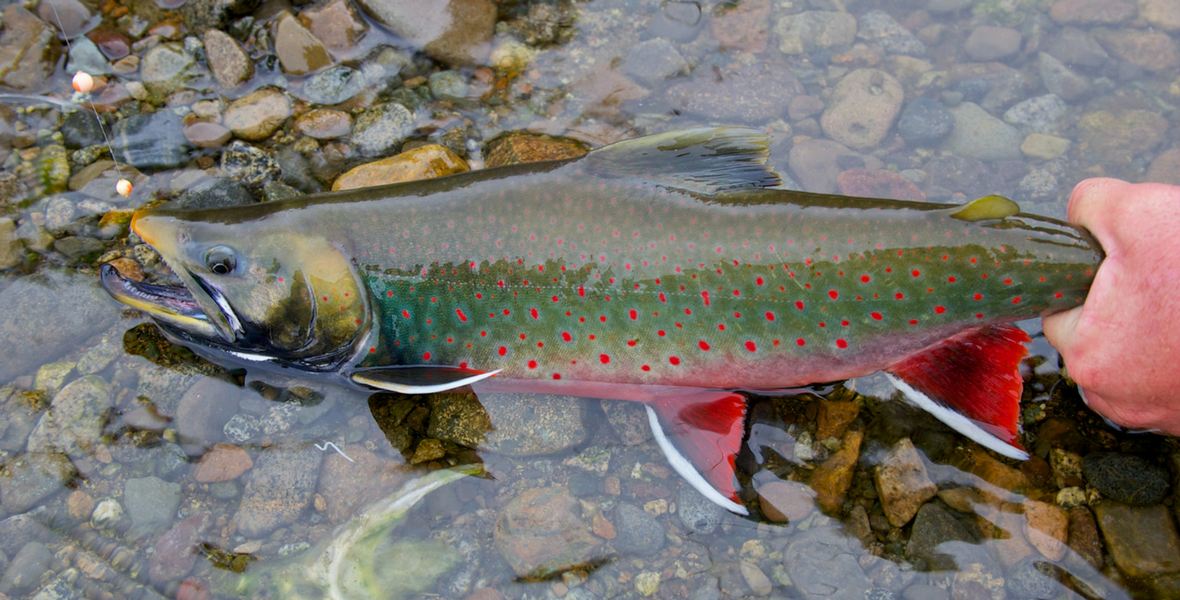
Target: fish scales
634 283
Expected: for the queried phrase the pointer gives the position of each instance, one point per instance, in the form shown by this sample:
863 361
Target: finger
1060 330
1093 200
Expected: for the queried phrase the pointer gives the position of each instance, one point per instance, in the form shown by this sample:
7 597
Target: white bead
83 82
123 187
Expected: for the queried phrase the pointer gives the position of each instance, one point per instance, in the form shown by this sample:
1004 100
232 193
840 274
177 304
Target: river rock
23 574
809 31
423 162
1142 540
73 424
979 135
167 68
231 66
29 50
455 32
1046 528
747 94
178 550
924 122
518 147
516 424
934 526
1091 12
223 462
249 165
822 563
203 15
381 128
863 107
902 482
257 115
1163 14
11 249
298 50
151 502
323 123
1128 478
987 43
698 514
1031 579
653 61
1083 536
337 24
639 534
334 85
817 163
32 477
1154 51
1077 49
150 141
628 420
348 486
1060 79
877 27
541 531
1037 115
878 183
279 488
832 478
786 501
1114 136
1165 168
70 16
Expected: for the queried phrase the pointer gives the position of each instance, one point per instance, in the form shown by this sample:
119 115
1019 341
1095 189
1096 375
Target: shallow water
133 468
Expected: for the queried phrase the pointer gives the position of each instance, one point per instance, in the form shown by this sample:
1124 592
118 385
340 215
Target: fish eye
221 260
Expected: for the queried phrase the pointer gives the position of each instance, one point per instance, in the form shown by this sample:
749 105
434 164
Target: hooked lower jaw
172 304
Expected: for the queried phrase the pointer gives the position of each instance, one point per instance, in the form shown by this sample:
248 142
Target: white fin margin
681 465
402 388
956 421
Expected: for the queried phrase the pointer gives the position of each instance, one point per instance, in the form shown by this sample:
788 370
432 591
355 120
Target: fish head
260 294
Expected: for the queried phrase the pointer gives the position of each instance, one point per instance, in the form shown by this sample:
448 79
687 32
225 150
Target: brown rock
862 109
816 163
348 487
485 594
902 483
742 26
71 16
80 505
962 499
177 551
425 162
128 268
203 412
224 462
279 488
231 66
1111 135
786 501
1153 51
1046 528
29 50
456 32
337 24
749 94
832 478
1142 539
516 147
113 44
1164 14
1165 168
541 532
257 115
993 471
878 183
323 123
833 418
1091 12
1083 536
299 51
204 134
428 449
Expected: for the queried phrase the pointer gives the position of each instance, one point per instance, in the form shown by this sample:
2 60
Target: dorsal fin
985 208
707 160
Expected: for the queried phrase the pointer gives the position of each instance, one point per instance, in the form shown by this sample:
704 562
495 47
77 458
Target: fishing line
83 83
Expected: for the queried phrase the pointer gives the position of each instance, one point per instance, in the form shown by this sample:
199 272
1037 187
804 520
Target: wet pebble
176 552
529 424
862 108
257 115
150 141
809 31
638 533
449 86
817 163
678 21
877 27
298 50
423 162
933 526
151 502
697 513
1113 136
628 420
988 43
925 122
112 43
1040 184
29 50
336 23
223 462
748 94
348 486
11 249
334 85
1163 14
323 123
249 165
541 531
1044 147
786 501
832 478
382 128
979 135
73 424
1077 48
23 574
902 482
1165 168
1060 79
822 563
203 15
279 488
279 417
241 428
231 66
1091 12
31 478
204 134
1154 51
1032 579
1046 528
214 193
743 27
1083 536
454 32
85 56
1128 478
878 183
517 147
1039 114
167 68
654 61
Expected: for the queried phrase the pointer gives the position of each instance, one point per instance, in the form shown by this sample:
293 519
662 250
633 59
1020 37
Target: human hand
1122 346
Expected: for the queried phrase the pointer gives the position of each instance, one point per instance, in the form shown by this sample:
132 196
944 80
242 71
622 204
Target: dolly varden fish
665 270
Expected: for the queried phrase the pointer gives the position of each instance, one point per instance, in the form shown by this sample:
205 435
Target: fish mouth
173 304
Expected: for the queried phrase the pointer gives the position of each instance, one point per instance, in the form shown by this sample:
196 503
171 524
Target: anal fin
972 383
701 433
419 379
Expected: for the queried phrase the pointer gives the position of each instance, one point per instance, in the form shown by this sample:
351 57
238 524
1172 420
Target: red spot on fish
799 304
483 334
875 315
645 368
602 318
951 279
1016 300
916 273
899 296
389 293
533 312
634 314
532 364
1008 282
769 316
737 292
557 375
662 297
507 312
406 314
463 365
801 342
632 343
751 346
913 321
503 351
939 309
759 281
721 326
425 356
604 358
705 295
845 323
1057 295
565 335
674 360
555 298
978 315
462 317
865 279
841 343
581 292
978 296
704 345
833 294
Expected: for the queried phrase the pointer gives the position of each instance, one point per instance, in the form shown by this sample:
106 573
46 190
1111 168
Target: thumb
1061 330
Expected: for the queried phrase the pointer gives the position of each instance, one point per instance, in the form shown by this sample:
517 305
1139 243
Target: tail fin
972 383
701 433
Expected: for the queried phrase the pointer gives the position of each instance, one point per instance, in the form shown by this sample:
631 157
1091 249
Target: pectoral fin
972 383
419 379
